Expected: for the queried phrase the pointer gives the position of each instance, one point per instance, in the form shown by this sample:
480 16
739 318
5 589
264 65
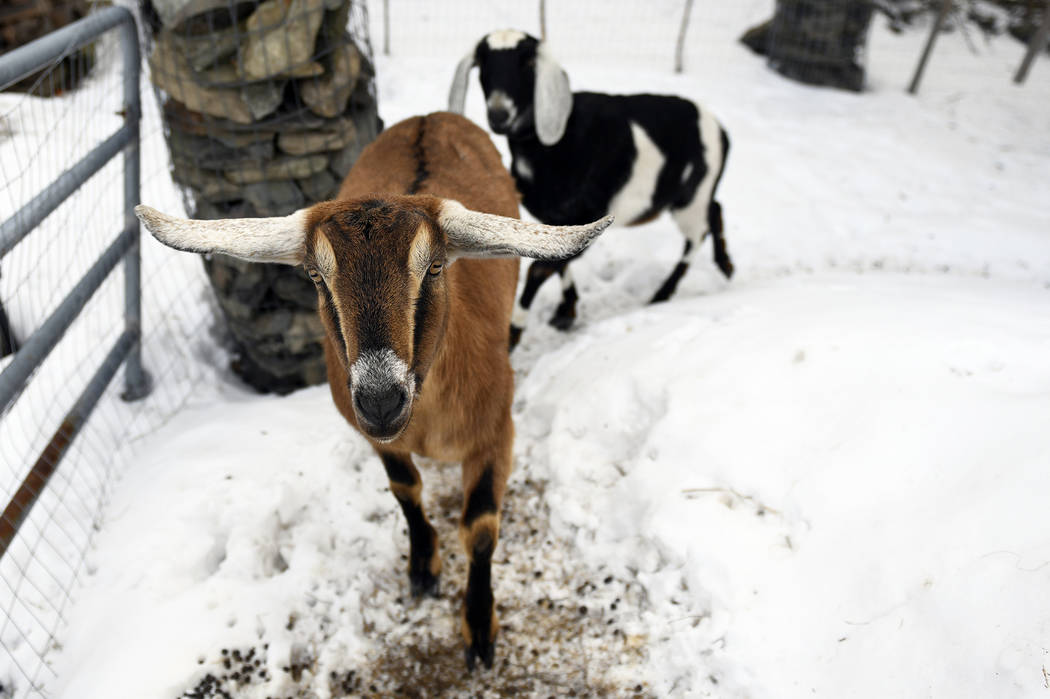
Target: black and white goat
580 156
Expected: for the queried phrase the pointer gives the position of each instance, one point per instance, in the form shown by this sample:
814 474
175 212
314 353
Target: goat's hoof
660 296
425 583
726 266
561 322
483 649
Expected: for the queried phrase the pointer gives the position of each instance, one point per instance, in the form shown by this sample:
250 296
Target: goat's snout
499 119
382 394
501 111
381 407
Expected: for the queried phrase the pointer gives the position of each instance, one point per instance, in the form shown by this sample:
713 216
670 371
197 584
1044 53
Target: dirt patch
565 629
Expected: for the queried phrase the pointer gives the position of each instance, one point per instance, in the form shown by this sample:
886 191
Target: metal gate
126 350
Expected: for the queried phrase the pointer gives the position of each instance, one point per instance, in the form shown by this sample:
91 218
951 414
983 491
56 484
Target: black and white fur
579 156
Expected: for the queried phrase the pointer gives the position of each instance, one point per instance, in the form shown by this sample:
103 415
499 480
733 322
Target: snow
850 469
826 477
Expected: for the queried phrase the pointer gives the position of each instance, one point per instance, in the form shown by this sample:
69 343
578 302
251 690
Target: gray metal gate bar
39 345
29 216
26 60
15 66
22 502
137 382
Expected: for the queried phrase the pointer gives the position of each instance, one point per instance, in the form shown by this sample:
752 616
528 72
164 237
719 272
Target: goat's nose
498 116
382 406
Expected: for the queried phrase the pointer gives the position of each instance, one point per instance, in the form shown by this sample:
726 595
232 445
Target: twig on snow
762 507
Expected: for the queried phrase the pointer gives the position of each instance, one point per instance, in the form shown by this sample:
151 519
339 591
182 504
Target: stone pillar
820 42
267 105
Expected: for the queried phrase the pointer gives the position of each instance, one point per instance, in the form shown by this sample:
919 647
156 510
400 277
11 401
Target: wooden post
945 6
680 48
386 27
1037 44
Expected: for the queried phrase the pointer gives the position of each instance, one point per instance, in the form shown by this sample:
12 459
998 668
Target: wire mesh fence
21 21
822 42
241 130
620 31
63 113
825 42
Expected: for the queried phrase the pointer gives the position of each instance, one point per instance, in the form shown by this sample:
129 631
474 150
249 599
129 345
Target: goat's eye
435 269
314 275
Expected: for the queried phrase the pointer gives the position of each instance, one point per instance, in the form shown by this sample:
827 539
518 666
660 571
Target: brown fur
462 409
470 383
416 325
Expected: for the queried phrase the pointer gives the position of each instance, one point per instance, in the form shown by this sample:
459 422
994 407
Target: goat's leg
424 560
539 272
697 213
671 283
484 480
714 222
692 224
565 313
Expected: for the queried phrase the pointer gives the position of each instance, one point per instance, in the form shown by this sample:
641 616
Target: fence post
136 380
386 27
1037 44
945 6
680 48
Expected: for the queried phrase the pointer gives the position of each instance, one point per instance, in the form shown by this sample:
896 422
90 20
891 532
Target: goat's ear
552 98
457 94
473 234
281 239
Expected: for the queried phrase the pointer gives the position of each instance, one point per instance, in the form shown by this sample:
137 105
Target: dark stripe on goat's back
482 499
419 153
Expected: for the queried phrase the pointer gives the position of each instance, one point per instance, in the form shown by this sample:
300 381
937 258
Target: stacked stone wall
267 105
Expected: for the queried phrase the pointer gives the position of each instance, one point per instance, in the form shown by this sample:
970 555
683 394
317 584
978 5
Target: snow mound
832 485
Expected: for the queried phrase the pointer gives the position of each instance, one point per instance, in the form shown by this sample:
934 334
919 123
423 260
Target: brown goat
416 347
